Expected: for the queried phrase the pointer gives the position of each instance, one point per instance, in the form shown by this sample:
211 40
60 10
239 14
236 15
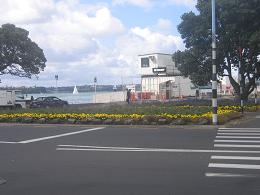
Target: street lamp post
214 66
56 78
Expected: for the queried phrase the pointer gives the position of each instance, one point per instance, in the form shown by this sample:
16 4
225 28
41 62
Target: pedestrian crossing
244 161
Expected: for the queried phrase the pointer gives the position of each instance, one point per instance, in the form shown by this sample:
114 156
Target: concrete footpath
250 119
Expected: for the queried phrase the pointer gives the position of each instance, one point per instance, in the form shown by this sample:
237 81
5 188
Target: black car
47 102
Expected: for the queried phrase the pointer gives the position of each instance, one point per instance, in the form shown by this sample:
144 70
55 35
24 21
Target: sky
83 39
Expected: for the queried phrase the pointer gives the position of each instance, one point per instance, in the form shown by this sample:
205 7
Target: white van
12 99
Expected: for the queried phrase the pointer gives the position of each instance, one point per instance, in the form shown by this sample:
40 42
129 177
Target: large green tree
19 56
238 38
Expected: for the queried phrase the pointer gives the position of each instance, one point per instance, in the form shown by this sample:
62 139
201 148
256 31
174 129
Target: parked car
47 102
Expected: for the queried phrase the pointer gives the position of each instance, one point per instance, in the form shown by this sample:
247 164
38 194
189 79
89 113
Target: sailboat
75 91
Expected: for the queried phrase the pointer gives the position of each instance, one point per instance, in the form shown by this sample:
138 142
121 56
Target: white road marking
60 135
223 128
118 149
238 137
242 138
238 133
236 157
228 175
237 141
234 166
105 150
245 131
4 142
104 147
236 146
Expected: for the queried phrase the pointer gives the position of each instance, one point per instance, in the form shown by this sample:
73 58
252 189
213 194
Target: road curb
102 125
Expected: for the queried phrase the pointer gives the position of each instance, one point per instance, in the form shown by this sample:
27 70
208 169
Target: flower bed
225 113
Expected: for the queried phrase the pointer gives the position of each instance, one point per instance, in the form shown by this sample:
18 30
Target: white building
158 68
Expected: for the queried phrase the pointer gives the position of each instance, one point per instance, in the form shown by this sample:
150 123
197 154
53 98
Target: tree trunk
247 88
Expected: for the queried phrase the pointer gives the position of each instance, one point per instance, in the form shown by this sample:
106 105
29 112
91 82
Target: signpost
159 70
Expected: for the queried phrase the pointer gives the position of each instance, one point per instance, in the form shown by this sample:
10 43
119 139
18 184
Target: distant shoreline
69 89
69 92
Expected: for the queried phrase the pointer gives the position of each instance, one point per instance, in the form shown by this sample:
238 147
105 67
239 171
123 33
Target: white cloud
164 24
153 3
111 65
21 12
143 40
189 3
72 30
139 3
157 42
61 26
74 37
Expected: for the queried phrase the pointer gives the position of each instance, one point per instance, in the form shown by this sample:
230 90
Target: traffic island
182 115
125 120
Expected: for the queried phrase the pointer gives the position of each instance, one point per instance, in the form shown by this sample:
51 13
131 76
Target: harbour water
80 98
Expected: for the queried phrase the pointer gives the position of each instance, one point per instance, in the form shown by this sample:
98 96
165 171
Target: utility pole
95 86
214 66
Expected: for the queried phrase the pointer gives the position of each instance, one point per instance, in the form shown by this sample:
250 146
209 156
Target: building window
144 62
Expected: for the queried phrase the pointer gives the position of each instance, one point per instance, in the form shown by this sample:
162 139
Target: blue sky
82 39
132 16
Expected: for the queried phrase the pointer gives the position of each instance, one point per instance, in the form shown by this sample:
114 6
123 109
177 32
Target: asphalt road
129 160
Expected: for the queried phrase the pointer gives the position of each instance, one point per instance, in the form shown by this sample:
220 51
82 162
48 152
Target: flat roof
155 53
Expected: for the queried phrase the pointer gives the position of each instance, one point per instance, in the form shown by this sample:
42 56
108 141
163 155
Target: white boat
75 91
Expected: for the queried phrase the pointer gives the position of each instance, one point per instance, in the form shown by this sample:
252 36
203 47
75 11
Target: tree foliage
238 38
19 56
